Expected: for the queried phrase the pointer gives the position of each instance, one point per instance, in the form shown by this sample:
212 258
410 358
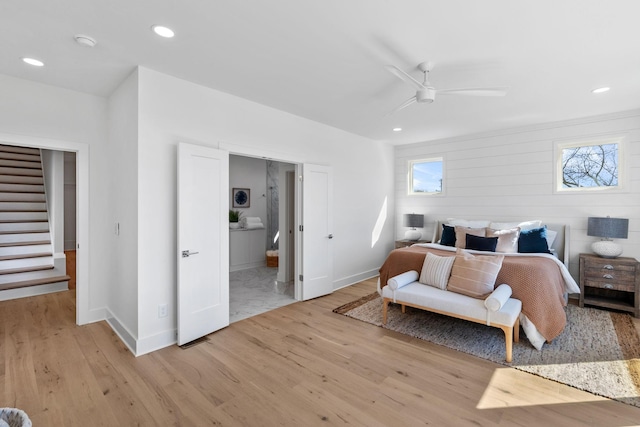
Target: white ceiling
324 59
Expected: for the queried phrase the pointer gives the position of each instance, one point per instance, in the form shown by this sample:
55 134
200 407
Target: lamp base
412 235
606 249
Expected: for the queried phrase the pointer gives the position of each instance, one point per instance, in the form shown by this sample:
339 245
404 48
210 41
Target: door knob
330 236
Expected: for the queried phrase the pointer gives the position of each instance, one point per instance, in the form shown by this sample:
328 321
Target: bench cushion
450 302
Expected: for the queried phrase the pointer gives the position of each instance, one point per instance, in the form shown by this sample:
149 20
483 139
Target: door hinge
300 277
301 228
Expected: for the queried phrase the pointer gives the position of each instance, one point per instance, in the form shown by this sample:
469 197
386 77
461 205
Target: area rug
598 351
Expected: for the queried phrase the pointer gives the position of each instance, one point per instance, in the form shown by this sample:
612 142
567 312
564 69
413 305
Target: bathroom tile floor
256 290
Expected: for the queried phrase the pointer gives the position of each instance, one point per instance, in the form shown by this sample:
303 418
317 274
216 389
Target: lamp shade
609 228
414 220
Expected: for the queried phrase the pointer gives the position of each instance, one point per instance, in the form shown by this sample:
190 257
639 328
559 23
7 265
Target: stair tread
27 243
15 149
22 256
52 278
21 179
6 155
13 171
16 221
22 164
25 269
23 231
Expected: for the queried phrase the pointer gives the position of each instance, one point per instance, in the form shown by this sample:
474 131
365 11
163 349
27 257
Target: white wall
53 171
31 111
172 110
509 175
122 160
251 173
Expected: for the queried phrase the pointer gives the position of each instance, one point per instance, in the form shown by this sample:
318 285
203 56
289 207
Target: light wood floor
300 365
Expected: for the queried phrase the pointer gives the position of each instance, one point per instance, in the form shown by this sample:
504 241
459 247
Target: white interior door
203 241
317 222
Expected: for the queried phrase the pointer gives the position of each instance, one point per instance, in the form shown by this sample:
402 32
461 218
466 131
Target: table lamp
607 228
414 221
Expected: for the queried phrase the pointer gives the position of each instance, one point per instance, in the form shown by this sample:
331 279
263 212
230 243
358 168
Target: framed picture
241 197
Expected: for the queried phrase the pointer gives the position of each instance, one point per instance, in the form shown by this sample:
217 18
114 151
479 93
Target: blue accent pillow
533 241
478 243
448 237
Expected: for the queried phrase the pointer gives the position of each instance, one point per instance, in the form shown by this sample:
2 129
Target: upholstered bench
498 309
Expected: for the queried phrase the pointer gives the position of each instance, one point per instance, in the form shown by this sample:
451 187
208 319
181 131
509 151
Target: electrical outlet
162 310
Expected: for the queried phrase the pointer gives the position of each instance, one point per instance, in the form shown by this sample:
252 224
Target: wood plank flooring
300 365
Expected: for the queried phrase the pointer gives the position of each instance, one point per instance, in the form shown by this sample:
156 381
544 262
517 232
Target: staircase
26 251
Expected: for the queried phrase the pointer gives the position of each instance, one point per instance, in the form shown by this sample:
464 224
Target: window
585 166
425 176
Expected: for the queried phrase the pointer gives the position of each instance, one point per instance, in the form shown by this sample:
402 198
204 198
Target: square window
587 166
425 176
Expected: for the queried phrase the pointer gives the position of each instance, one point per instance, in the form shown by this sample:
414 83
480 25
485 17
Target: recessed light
163 31
34 62
397 129
84 40
600 90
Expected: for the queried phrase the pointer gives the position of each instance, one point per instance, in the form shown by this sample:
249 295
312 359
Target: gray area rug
599 351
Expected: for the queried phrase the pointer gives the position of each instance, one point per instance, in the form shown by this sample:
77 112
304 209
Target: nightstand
610 283
404 243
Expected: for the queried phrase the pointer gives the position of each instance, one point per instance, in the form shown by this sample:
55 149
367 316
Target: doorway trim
83 313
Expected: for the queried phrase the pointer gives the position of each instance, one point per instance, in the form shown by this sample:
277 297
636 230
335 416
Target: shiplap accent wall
508 175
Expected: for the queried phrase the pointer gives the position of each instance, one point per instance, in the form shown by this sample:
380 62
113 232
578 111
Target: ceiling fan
425 93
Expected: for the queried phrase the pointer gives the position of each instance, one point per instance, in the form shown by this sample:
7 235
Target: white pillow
403 279
498 297
479 223
461 235
436 270
507 239
551 237
524 226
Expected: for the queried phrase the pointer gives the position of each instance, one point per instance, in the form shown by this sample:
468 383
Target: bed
540 280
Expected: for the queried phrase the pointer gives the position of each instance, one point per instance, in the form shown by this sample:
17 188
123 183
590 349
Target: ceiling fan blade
404 76
405 104
475 91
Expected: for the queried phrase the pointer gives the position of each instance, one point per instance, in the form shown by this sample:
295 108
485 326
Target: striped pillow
474 276
436 270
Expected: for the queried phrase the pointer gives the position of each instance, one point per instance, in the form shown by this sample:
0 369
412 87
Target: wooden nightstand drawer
618 275
608 284
616 264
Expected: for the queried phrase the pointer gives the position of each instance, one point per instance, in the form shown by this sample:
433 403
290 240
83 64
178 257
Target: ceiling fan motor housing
426 95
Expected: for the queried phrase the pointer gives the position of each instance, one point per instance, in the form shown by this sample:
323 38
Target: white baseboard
121 331
144 345
157 341
32 291
355 278
93 315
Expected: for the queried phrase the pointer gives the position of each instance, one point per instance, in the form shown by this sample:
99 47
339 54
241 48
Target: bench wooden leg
403 308
516 330
508 338
385 305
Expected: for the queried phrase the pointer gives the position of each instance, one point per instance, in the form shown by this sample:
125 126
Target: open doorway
83 312
262 244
